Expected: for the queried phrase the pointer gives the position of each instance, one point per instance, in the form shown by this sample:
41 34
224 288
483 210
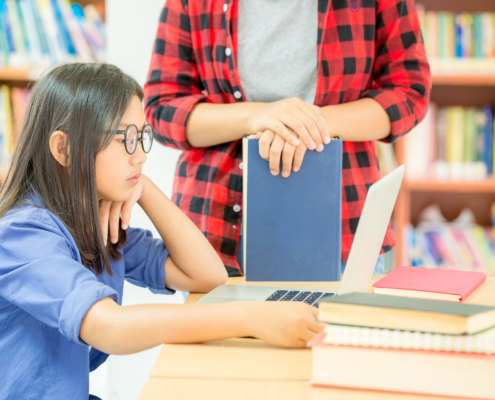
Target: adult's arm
183 114
402 81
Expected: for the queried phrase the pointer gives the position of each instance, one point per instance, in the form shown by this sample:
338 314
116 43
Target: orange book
463 375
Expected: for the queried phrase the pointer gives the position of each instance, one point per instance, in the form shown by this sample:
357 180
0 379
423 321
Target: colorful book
429 283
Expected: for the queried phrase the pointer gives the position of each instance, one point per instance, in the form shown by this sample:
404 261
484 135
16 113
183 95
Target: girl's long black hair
87 102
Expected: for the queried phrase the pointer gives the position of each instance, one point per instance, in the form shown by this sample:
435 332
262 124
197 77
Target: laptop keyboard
310 298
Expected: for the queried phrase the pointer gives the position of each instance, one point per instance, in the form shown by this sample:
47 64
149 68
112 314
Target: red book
430 283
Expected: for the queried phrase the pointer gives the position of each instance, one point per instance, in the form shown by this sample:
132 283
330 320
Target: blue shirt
45 292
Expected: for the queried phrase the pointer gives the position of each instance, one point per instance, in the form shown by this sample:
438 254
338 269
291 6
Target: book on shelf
404 362
429 283
394 312
453 143
452 246
459 42
40 33
13 103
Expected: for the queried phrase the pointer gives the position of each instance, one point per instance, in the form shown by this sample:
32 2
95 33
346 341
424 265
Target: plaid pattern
366 48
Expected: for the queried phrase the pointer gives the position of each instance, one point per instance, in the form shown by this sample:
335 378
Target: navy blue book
292 226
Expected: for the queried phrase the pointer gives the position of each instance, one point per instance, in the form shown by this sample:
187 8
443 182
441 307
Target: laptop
363 256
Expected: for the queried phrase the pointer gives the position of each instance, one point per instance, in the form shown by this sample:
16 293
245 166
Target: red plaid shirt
366 48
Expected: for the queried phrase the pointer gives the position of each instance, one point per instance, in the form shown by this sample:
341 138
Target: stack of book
451 143
40 33
398 344
459 42
468 248
13 102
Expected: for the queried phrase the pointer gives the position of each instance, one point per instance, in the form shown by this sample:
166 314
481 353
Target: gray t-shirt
277 49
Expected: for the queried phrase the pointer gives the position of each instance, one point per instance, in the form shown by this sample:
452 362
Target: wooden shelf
432 185
463 80
16 75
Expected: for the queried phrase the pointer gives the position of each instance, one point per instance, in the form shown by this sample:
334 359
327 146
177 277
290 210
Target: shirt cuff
175 114
77 305
155 280
398 109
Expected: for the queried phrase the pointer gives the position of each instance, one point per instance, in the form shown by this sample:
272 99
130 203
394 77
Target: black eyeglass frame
139 139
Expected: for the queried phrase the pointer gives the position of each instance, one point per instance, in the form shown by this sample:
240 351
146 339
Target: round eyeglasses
131 138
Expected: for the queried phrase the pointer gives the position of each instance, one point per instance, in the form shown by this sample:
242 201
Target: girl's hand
272 147
289 324
305 120
110 212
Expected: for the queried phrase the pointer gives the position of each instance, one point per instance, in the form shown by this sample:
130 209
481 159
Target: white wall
131 28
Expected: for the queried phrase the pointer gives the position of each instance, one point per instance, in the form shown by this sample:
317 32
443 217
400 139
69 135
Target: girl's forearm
189 249
214 124
357 121
125 330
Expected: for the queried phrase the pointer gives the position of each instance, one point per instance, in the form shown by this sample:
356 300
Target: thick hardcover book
393 312
440 373
430 283
292 226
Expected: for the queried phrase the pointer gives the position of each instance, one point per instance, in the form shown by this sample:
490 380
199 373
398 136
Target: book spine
488 139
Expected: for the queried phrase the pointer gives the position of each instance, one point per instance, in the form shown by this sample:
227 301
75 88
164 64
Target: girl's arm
124 330
193 265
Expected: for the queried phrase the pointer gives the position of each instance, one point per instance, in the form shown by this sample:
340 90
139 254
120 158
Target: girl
295 72
80 155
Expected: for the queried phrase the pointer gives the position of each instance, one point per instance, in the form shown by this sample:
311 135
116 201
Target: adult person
294 72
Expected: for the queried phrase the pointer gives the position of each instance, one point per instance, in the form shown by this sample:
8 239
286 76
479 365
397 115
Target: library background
445 214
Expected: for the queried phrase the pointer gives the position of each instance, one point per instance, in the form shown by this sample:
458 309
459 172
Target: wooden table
246 369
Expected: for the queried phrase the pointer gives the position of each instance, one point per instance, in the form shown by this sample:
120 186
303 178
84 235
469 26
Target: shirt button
235 227
237 94
241 165
237 208
225 6
228 52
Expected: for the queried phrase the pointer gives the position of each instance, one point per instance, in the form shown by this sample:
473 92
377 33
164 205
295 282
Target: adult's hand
111 211
272 148
294 121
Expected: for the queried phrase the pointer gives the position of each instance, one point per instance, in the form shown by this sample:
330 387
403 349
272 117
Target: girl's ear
58 144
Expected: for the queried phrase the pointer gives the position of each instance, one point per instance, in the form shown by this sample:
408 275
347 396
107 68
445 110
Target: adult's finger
295 124
311 124
287 157
265 142
298 157
281 130
114 219
275 153
315 113
104 215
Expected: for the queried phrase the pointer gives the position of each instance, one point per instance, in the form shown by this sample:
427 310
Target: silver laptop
363 256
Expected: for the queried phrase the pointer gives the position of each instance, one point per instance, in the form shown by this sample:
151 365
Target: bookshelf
22 78
466 90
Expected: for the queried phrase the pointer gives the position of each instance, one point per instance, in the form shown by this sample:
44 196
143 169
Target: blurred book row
460 245
459 41
451 143
40 33
13 102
